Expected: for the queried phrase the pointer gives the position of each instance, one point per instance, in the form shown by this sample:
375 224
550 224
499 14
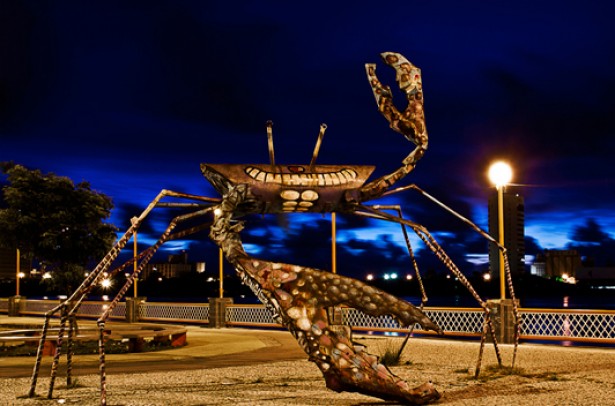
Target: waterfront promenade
261 367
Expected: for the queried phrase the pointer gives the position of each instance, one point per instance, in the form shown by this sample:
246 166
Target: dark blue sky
133 96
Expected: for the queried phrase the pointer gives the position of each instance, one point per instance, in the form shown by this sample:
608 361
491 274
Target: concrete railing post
133 311
217 311
16 305
503 319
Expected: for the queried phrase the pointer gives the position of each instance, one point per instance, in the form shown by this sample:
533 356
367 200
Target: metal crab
300 298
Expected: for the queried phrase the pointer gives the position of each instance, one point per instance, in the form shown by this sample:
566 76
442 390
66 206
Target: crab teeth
342 177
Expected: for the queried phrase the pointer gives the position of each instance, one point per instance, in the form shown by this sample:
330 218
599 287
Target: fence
590 326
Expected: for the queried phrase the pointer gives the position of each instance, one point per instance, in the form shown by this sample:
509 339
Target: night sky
133 96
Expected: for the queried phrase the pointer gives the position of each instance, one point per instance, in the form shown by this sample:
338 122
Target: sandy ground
546 375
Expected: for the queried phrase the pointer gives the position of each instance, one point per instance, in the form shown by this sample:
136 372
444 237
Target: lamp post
500 174
18 272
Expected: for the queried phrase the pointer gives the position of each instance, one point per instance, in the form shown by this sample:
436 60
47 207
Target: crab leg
433 245
70 306
483 233
424 298
299 298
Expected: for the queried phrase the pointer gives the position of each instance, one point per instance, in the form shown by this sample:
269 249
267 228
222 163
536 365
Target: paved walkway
238 367
207 348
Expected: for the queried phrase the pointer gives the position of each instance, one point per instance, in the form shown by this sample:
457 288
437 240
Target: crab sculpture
301 298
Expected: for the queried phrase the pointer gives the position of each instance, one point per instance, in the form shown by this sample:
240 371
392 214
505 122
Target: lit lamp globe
500 174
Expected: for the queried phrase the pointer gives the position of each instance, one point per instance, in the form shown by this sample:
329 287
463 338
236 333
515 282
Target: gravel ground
546 375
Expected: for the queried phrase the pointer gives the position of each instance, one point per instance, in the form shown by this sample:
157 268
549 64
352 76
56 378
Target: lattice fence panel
4 305
257 314
458 321
96 309
173 311
592 325
40 306
452 320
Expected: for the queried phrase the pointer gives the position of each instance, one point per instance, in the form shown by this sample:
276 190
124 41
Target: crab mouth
342 177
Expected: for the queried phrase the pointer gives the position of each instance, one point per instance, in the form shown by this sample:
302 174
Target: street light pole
135 265
500 174
500 190
18 272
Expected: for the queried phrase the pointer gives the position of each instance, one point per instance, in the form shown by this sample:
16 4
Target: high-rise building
514 232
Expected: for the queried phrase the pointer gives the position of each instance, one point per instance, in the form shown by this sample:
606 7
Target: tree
55 222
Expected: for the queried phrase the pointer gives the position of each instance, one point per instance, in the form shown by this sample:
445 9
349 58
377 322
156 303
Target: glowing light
106 283
105 297
500 173
409 277
387 276
370 277
22 275
47 275
487 277
217 212
393 275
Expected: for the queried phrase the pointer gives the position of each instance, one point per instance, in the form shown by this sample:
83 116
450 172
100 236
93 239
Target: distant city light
22 275
409 277
106 283
47 275
393 275
370 277
487 276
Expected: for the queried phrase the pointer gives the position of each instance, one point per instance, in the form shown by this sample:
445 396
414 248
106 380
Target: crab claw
410 122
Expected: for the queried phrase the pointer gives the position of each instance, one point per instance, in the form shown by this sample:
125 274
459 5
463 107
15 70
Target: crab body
290 188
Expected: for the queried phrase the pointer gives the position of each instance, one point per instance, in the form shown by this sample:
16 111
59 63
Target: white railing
596 326
177 312
571 325
87 309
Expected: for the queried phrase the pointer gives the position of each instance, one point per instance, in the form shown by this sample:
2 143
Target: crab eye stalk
321 134
270 144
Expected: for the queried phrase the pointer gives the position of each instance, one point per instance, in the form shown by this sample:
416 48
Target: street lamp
500 174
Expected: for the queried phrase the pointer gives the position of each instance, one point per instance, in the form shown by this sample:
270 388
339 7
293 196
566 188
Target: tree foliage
54 221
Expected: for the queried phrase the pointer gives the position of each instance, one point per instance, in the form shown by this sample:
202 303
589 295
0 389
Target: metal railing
177 312
591 326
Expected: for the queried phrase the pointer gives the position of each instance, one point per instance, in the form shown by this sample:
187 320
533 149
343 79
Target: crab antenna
321 134
270 143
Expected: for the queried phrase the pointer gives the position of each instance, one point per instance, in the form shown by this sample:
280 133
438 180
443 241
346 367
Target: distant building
514 232
556 264
176 265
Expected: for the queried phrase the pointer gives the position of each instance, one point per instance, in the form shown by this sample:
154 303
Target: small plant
391 355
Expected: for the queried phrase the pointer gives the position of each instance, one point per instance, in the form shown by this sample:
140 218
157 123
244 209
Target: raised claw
410 123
